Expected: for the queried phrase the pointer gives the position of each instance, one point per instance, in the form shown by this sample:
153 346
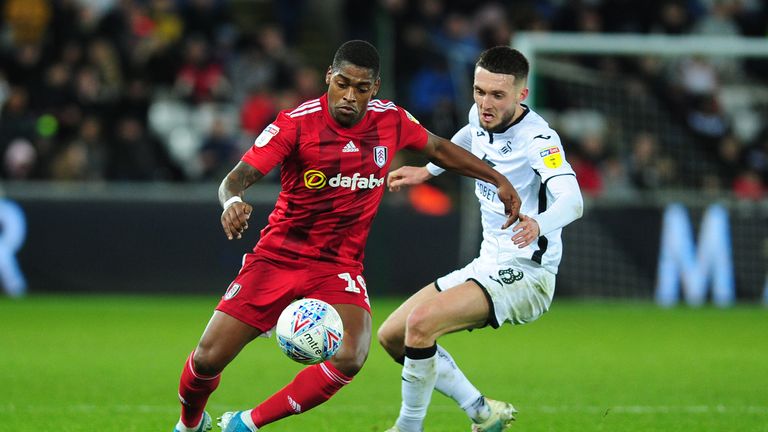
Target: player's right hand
234 219
508 195
407 176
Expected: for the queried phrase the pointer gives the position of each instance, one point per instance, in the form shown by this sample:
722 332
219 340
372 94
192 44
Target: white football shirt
529 154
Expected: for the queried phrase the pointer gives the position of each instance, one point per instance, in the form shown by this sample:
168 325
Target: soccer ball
309 331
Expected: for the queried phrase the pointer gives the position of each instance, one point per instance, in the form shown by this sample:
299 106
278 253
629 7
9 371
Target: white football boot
204 426
502 416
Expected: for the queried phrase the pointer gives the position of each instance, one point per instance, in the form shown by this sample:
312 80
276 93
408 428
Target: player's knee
205 362
390 339
419 326
350 361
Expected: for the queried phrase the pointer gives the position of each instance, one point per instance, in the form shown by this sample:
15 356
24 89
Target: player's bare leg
459 308
451 381
462 307
391 334
357 339
224 337
314 384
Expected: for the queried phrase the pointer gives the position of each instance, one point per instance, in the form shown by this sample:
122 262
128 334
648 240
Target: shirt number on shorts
352 286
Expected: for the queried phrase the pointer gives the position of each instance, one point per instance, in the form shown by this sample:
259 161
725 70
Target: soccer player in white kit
513 278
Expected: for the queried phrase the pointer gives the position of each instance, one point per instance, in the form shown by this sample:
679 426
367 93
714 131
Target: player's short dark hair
359 53
504 60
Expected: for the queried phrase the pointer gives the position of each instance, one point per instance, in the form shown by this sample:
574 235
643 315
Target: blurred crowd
175 90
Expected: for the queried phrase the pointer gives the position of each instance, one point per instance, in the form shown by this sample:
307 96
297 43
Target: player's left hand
511 200
234 219
526 232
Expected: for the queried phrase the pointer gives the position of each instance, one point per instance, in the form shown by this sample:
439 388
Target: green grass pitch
94 363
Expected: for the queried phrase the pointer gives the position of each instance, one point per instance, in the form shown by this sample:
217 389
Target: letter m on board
694 269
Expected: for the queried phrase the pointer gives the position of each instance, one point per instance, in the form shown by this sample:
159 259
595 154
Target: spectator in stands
20 160
208 18
5 90
156 49
250 71
306 81
647 169
84 158
257 111
279 56
698 83
616 182
135 99
201 78
106 64
457 37
169 26
97 60
757 156
707 120
720 21
218 152
432 93
27 20
673 18
137 156
493 24
90 95
289 15
16 121
56 87
749 186
586 161
730 158
25 67
71 54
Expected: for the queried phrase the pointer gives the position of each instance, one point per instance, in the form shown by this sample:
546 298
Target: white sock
452 383
245 416
181 427
419 376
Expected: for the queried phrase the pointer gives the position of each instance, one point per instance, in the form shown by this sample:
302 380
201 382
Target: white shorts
518 291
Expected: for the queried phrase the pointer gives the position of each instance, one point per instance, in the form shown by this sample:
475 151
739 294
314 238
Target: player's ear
376 86
328 74
523 94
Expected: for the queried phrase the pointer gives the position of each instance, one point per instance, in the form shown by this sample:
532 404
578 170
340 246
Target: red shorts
265 286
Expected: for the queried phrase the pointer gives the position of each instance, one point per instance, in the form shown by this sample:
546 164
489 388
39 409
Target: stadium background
120 117
122 110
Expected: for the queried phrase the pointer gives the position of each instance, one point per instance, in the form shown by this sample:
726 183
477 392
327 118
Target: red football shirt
332 177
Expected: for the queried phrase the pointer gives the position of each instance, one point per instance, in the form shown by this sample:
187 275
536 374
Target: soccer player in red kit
334 153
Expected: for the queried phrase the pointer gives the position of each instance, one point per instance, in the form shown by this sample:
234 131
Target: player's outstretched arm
455 158
407 176
234 218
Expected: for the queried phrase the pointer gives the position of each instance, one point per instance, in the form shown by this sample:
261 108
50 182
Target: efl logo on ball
309 331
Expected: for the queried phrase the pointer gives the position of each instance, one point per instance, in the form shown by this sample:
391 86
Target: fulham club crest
380 156
232 291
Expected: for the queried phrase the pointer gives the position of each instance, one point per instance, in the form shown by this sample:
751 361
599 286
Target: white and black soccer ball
309 331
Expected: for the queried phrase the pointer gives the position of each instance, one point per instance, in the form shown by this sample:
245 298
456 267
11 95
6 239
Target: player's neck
519 110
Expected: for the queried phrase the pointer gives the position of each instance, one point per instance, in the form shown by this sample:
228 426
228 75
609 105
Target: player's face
498 99
350 88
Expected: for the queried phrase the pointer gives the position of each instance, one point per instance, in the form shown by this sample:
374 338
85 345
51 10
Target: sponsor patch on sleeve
552 157
266 135
411 117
